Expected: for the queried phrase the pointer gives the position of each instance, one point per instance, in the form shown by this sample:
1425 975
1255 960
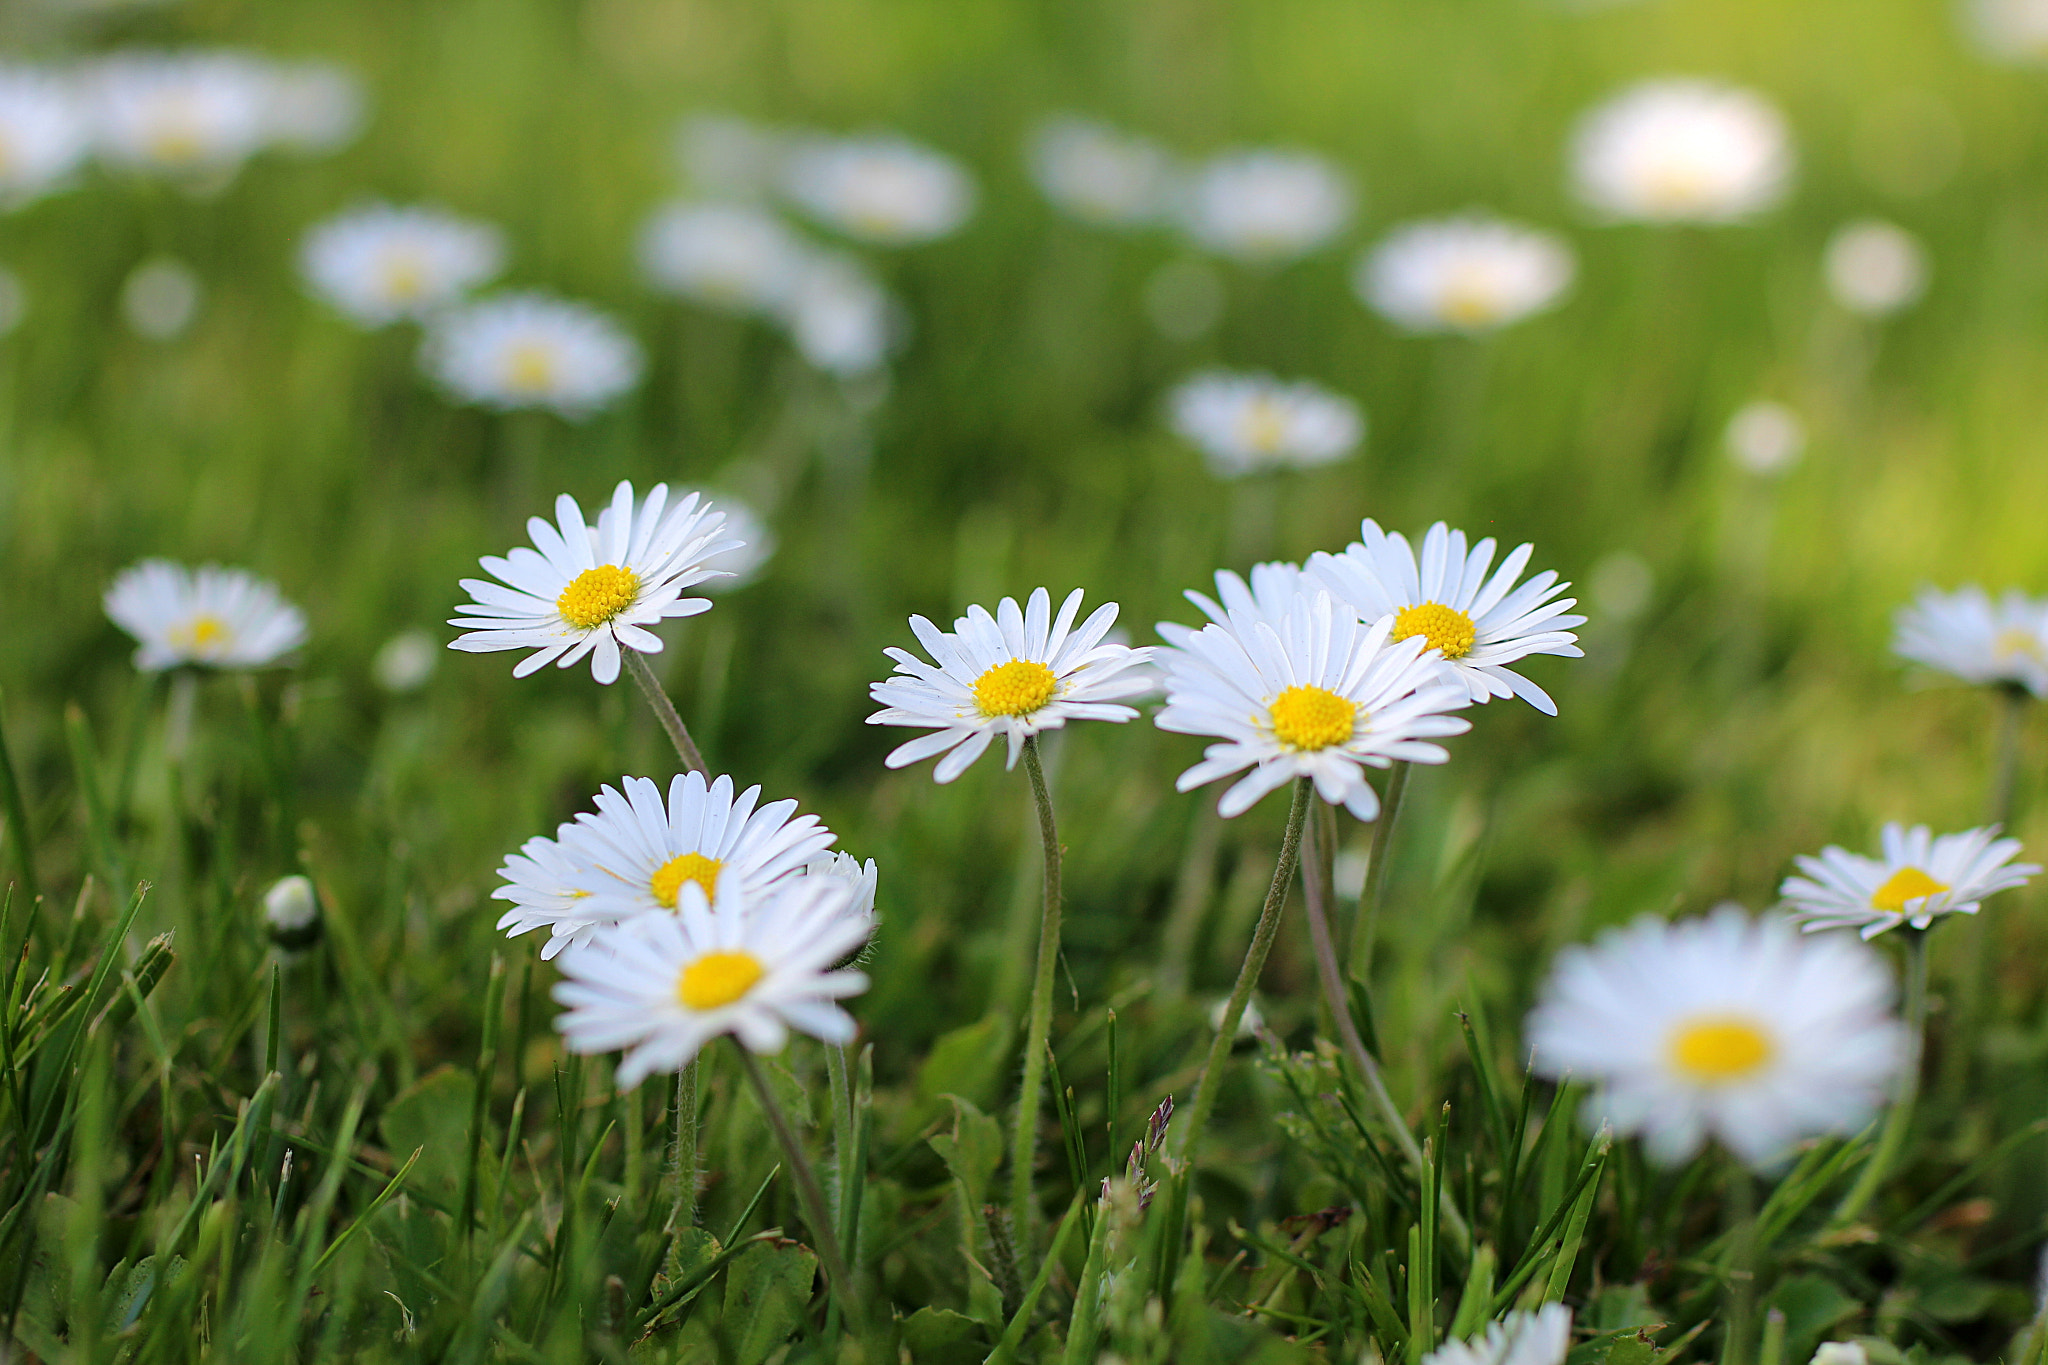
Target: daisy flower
733 257
861 876
1271 594
663 986
1315 693
43 133
1918 879
209 616
1967 635
841 320
1245 423
1727 1027
1520 1338
531 350
1682 151
1479 624
1099 174
1765 438
882 189
185 113
378 264
1875 268
1268 204
1013 674
1466 274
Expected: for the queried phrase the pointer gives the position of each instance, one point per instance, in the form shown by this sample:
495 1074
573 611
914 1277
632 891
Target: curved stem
1900 1119
1248 975
1024 1139
682 1212
665 712
1365 928
808 1192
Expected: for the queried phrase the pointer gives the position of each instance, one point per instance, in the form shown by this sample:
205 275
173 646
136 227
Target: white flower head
313 106
1245 423
861 876
662 986
1840 1353
1012 674
1267 204
1268 597
1918 879
1967 635
405 662
733 257
1724 1026
840 318
291 913
1480 624
531 350
1101 175
1520 1338
1682 151
1765 438
587 590
187 114
43 133
378 263
1875 268
209 616
1315 694
1467 274
879 188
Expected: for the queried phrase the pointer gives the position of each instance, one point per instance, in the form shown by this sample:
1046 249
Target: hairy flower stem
1248 975
683 1149
1024 1141
1365 927
665 712
1896 1124
808 1192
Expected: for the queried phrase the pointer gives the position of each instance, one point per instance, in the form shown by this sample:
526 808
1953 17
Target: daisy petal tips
590 591
1919 878
1012 674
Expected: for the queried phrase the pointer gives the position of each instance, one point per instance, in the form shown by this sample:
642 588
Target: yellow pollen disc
1448 630
529 368
718 979
404 280
2014 642
1264 427
1312 718
1016 688
1907 884
1677 184
1469 299
202 634
176 140
596 595
1716 1050
668 879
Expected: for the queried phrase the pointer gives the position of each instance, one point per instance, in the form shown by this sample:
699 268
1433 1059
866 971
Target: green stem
1024 1141
1365 928
808 1193
1248 975
1742 1265
683 1149
2012 717
842 1124
1900 1119
18 826
665 712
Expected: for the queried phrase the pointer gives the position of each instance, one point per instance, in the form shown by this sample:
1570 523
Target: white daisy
1271 594
1918 879
1012 674
1682 151
1315 693
544 883
861 876
1765 438
840 318
1267 204
531 350
663 986
378 264
313 106
731 256
879 188
1967 635
219 618
1468 274
1479 624
43 133
1099 174
1726 1027
1520 1338
1875 268
179 113
592 590
1245 423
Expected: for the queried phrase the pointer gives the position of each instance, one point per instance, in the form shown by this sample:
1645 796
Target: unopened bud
291 909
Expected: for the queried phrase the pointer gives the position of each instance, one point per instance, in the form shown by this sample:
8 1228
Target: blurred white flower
1100 174
161 298
1266 204
1467 274
531 350
742 563
210 616
1918 879
1968 636
13 301
2013 31
730 256
841 319
191 114
1248 1024
1840 1353
313 106
291 912
1682 151
1245 423
43 132
1875 268
861 876
879 188
1765 438
1521 1338
378 263
406 661
728 157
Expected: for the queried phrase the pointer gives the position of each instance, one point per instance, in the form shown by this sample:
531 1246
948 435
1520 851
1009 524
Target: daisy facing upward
1919 879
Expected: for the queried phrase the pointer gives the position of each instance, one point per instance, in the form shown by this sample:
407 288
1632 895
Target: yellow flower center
2015 641
668 879
1469 298
1678 184
596 595
1016 688
1264 426
1449 631
718 979
176 142
1716 1050
1907 884
1312 718
203 634
404 277
530 368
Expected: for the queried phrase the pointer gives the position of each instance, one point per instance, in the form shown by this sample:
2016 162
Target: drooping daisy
731 256
880 188
531 350
1875 268
594 590
1521 1338
1245 423
1675 151
1967 635
663 986
1267 204
1467 274
43 133
1918 879
1099 174
1479 624
840 318
1727 1027
378 263
1314 694
209 616
1012 674
188 114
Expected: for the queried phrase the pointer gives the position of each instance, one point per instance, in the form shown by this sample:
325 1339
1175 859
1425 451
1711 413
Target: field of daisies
1142 683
